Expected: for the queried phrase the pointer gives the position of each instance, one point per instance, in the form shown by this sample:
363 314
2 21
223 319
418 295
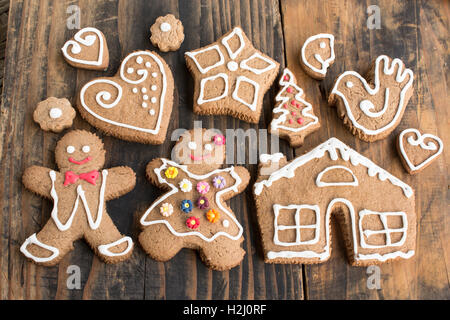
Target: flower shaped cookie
167 33
54 114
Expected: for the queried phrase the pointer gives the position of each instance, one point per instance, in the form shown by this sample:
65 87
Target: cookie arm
37 179
151 174
244 175
120 181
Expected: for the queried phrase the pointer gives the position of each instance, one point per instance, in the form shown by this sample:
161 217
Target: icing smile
80 162
201 157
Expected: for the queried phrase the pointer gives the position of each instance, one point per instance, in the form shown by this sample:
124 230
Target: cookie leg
160 243
50 245
222 254
108 243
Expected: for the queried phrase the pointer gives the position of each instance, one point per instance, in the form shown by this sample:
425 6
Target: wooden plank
35 69
416 32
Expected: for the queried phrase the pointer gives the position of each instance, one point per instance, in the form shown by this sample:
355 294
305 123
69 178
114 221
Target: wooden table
415 31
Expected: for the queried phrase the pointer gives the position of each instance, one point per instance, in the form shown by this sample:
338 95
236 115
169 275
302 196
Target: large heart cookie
418 150
87 50
133 105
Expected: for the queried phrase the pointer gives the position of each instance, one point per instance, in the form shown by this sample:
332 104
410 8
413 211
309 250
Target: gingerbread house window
387 229
303 227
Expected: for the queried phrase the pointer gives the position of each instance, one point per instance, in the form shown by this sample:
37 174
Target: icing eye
86 149
349 84
192 145
70 149
208 147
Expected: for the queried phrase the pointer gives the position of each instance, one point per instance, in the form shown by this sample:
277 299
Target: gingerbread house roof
334 147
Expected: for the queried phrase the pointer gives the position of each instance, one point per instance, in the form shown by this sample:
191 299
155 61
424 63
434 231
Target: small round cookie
54 114
167 33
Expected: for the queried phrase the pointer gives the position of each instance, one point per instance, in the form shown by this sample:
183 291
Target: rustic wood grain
35 69
416 32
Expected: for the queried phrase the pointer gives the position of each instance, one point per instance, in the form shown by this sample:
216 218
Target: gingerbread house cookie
231 77
295 201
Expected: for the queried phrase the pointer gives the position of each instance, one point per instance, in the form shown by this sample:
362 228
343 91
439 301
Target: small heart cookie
418 150
135 104
87 50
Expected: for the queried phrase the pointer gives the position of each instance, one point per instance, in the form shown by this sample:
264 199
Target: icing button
232 66
55 113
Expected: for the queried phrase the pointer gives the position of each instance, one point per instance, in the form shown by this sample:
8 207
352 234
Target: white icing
322 45
55 113
320 183
33 240
192 145
233 54
152 112
130 70
139 60
325 254
282 98
206 69
80 195
276 157
367 105
155 130
145 97
235 96
203 82
86 149
148 65
324 63
154 74
419 142
386 230
297 227
401 75
154 87
165 27
331 146
144 105
87 41
226 223
257 55
70 149
135 90
232 66
349 84
143 90
174 189
153 100
105 95
104 248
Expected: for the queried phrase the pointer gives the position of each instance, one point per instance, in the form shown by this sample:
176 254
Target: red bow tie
90 177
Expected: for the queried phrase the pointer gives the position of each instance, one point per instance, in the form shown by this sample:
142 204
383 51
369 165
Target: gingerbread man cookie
79 192
193 213
372 107
293 116
231 77
87 50
135 104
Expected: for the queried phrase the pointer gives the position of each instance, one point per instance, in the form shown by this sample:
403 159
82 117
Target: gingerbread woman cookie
87 50
293 116
372 107
79 192
193 213
231 77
